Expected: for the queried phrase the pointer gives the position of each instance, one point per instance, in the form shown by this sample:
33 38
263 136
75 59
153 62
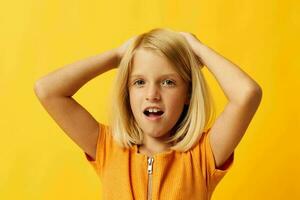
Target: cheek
175 98
135 100
175 103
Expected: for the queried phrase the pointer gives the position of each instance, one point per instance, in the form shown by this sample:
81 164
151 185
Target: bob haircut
195 117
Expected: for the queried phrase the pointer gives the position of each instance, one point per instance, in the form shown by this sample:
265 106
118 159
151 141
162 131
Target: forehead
147 62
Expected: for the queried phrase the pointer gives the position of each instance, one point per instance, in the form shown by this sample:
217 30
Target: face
154 82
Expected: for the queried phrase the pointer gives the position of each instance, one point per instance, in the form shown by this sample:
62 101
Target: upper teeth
153 110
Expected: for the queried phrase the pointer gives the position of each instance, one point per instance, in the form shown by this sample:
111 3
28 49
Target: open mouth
153 114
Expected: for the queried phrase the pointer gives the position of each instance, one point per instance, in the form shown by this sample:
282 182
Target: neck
153 145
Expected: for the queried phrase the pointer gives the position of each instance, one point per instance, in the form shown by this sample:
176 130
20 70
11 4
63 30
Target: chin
155 134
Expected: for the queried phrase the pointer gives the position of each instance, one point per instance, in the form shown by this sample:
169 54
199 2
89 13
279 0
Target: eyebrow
164 75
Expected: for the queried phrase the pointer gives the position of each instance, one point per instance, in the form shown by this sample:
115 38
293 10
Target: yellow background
38 161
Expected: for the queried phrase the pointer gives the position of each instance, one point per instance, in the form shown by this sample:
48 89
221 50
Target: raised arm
55 92
244 96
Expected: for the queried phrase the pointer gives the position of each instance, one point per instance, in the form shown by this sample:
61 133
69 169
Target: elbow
38 90
256 91
252 94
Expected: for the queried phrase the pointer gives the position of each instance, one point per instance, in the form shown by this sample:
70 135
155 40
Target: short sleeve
101 149
212 174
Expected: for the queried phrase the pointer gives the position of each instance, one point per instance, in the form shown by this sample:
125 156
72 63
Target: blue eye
166 82
169 82
138 81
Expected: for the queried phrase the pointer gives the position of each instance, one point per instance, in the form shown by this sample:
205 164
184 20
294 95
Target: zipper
150 171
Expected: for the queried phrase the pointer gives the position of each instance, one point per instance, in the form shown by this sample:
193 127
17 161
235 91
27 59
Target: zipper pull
150 165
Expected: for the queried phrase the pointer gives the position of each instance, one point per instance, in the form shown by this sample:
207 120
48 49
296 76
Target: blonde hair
195 118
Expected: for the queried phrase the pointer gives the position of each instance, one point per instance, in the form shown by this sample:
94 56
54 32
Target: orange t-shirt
175 175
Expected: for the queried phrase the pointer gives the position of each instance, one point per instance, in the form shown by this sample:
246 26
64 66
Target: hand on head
120 51
193 41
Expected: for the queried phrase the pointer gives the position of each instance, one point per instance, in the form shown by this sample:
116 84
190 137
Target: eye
138 82
169 82
166 82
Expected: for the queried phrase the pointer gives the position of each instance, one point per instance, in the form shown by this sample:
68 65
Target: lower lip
154 118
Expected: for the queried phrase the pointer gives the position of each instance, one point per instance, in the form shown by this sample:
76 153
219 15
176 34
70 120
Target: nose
153 93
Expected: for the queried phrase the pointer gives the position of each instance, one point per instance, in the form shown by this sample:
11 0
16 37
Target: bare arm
55 92
244 96
66 81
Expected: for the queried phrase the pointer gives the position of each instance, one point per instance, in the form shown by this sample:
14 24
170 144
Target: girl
162 141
